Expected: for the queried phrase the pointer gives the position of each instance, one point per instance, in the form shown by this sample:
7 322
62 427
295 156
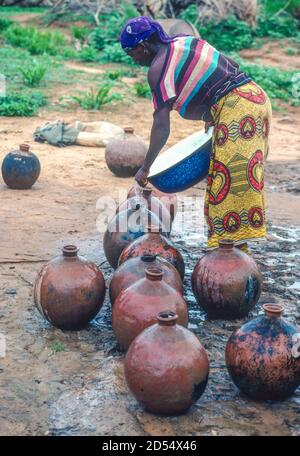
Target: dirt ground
81 390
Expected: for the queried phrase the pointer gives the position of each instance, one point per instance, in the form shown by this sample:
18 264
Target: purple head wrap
139 29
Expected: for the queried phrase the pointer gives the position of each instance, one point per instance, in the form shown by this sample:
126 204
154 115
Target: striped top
195 76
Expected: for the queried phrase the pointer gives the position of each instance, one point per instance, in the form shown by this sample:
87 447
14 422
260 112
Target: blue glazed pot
184 164
21 168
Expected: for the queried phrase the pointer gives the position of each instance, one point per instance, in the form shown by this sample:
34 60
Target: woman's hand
208 125
141 176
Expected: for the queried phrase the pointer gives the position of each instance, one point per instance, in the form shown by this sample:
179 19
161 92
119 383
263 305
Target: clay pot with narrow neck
153 204
136 307
169 200
134 269
227 282
154 243
69 290
166 367
263 356
21 168
124 156
126 227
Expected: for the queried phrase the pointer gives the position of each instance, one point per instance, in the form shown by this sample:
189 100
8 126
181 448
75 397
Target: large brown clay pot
154 243
263 356
166 367
124 156
169 200
227 282
134 269
126 227
69 290
136 307
153 204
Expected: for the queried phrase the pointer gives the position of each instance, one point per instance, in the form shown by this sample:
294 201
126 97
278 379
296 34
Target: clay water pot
69 290
126 227
153 204
21 168
134 269
263 356
124 156
227 282
166 367
154 243
137 306
169 200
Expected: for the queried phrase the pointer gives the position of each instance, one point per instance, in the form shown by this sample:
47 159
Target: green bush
35 41
80 33
4 23
113 75
229 35
33 74
21 104
291 51
142 89
281 26
273 6
115 54
88 54
94 100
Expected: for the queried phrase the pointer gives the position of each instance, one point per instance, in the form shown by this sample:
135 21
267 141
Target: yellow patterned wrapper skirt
234 201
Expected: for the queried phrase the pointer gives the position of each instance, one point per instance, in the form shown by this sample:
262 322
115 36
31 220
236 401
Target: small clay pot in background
21 168
124 156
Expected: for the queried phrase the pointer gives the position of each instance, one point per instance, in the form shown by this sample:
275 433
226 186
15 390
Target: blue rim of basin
183 165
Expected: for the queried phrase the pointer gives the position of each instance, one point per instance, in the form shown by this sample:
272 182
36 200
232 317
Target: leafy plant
21 104
228 35
113 75
33 74
291 51
95 99
4 23
108 32
281 26
35 41
115 54
88 54
57 347
80 33
142 89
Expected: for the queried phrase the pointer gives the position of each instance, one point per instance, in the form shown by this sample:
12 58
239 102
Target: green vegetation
4 23
33 74
142 89
35 41
292 51
94 100
57 347
231 34
100 45
21 104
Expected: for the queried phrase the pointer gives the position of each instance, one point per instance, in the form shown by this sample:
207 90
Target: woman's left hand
141 177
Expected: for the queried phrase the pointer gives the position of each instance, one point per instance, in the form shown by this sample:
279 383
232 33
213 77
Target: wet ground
72 383
80 390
